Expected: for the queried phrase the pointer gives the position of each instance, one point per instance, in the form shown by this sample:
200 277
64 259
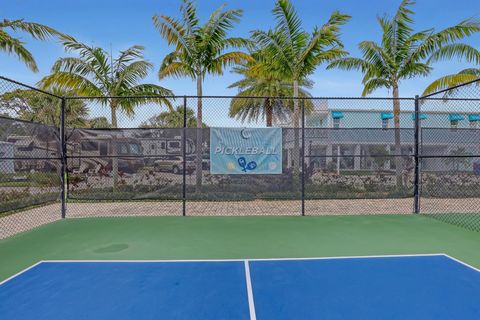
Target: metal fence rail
339 156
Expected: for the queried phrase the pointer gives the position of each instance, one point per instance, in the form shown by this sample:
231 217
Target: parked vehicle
173 164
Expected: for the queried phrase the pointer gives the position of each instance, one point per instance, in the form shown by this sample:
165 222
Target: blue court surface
388 287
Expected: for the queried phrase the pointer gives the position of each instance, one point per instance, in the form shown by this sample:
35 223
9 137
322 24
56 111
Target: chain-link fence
450 155
133 156
30 158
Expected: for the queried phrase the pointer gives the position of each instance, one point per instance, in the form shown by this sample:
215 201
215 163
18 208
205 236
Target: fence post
416 189
184 156
63 170
303 157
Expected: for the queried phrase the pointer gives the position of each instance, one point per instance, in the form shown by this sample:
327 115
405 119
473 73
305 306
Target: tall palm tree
94 73
260 79
404 54
15 46
299 52
199 50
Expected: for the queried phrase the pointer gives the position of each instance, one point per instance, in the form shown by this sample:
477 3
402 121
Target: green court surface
236 237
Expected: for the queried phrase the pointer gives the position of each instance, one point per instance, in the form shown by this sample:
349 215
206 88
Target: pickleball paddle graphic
242 162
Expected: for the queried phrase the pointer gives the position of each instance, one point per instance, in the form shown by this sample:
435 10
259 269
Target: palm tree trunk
269 112
198 164
113 108
398 147
296 142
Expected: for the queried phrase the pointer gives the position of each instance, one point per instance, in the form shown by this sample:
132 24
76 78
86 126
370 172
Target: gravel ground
29 219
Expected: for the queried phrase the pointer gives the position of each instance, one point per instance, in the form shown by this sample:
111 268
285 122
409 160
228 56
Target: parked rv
33 154
154 149
94 154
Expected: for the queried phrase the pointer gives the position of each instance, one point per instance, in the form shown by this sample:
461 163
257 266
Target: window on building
385 123
123 148
336 123
89 146
454 124
455 119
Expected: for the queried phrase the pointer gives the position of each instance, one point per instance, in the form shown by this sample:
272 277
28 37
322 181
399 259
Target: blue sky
123 23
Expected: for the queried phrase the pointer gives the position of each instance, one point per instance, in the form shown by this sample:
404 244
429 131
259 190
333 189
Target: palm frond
150 93
350 63
66 81
14 46
36 30
172 31
289 24
228 59
189 14
219 24
447 36
374 84
176 70
452 80
133 73
456 50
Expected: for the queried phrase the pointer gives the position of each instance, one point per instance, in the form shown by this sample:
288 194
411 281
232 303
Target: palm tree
199 50
95 74
298 52
404 54
260 79
172 119
15 46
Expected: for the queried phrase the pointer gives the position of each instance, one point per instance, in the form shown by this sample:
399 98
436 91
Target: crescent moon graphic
245 134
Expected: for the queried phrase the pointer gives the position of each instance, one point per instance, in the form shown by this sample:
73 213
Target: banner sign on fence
245 150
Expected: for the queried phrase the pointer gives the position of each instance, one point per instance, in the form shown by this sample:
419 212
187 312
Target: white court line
461 262
251 303
259 259
19 273
241 260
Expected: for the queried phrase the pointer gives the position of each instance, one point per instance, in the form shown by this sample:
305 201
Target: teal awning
455 117
421 116
337 115
474 117
386 115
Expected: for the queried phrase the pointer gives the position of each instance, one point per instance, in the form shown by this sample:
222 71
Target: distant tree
99 122
34 106
15 46
172 119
